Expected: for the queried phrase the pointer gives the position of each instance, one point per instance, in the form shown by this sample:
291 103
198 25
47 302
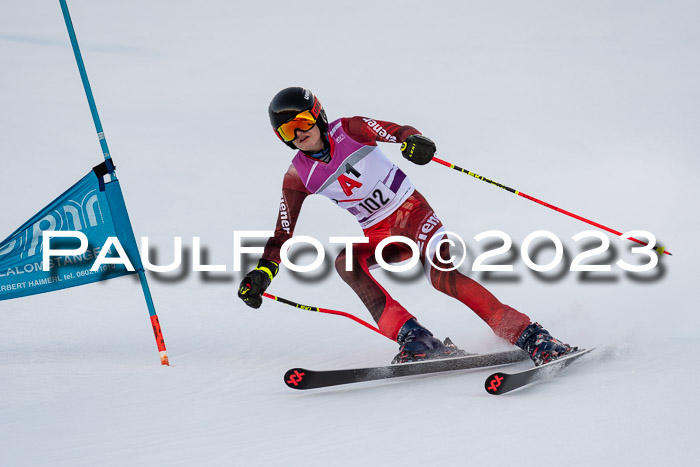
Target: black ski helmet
290 102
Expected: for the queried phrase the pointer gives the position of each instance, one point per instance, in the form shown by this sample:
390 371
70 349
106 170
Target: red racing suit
360 179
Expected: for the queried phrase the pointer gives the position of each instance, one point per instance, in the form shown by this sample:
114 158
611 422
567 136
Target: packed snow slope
591 106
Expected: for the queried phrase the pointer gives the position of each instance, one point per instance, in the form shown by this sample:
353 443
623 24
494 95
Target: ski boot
541 346
417 343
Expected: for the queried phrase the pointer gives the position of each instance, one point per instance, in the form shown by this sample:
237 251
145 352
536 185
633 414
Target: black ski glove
256 282
418 149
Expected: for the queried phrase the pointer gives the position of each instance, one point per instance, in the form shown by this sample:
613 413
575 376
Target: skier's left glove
256 282
418 149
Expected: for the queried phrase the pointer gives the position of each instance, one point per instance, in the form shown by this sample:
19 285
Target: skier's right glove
418 149
256 282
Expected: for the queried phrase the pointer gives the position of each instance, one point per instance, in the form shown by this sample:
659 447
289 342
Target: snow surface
591 106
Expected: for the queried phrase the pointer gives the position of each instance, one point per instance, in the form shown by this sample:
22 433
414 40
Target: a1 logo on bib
348 184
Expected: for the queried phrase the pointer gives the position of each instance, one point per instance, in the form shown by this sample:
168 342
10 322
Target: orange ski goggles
303 121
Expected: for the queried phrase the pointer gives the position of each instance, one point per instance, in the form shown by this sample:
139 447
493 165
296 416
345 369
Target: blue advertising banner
92 207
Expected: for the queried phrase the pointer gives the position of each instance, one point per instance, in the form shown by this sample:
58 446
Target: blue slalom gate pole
105 151
86 82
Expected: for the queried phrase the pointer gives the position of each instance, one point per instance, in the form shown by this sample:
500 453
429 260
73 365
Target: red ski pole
322 310
659 250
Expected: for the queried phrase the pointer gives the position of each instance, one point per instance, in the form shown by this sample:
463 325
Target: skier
341 160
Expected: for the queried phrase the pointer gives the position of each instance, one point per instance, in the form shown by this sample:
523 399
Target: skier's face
309 140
